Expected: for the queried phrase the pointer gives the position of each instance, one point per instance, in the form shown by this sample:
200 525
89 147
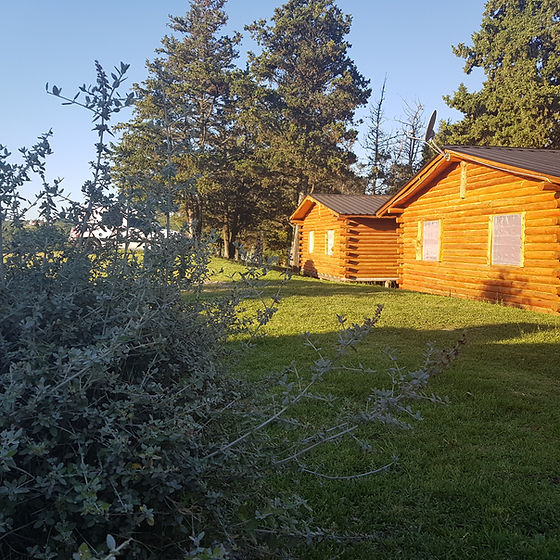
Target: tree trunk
226 248
294 255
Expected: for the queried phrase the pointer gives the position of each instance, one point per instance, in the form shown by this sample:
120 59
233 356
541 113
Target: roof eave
415 183
393 206
372 215
302 210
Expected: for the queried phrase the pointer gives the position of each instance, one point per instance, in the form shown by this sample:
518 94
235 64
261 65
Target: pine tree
314 88
185 114
517 46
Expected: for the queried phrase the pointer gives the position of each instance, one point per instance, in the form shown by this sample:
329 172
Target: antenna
429 137
430 130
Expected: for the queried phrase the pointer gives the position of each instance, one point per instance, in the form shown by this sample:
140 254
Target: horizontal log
438 198
372 258
481 227
481 191
476 290
386 274
534 305
371 250
532 268
504 278
371 241
447 211
543 299
551 216
371 266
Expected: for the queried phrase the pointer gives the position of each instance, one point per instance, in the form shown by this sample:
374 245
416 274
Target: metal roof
352 204
530 159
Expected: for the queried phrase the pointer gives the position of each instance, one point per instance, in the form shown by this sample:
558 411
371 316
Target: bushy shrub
108 376
110 366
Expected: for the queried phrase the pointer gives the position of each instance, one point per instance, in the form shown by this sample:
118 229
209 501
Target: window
430 241
311 241
330 242
506 239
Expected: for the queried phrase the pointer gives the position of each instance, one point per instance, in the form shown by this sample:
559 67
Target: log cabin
484 223
340 238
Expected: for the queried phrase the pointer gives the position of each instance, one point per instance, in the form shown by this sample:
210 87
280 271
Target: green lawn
479 478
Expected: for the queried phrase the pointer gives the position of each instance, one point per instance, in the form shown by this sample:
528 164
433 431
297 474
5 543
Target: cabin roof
342 204
530 159
539 164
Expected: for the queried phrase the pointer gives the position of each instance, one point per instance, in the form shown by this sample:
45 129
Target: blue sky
56 41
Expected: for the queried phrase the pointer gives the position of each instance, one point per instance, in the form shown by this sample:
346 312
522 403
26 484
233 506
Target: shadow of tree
506 350
309 269
512 288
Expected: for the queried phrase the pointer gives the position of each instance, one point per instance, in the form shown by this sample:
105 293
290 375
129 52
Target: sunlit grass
479 478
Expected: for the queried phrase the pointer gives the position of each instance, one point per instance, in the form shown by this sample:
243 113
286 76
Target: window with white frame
330 242
311 241
431 240
507 239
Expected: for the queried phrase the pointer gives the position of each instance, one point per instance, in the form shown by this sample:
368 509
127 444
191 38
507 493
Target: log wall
319 264
365 249
371 249
464 269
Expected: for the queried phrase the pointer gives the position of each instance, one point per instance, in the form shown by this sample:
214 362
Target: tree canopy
315 89
518 48
237 148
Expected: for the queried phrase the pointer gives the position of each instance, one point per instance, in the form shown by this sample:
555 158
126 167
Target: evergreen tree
233 189
517 46
314 88
182 132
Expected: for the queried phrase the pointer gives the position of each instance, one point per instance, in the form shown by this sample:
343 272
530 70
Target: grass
479 478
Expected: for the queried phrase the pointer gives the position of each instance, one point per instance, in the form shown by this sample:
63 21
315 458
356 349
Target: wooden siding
364 248
372 249
320 219
464 268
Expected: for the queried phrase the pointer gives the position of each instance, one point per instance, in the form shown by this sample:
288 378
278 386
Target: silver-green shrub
110 366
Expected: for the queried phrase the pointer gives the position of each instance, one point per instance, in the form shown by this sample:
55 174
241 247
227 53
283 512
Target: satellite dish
430 130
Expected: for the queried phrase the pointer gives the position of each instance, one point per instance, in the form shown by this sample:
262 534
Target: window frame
422 231
329 248
491 240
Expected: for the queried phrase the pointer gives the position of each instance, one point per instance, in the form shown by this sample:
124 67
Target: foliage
315 89
237 141
518 105
185 132
394 156
104 392
407 155
121 430
311 91
107 372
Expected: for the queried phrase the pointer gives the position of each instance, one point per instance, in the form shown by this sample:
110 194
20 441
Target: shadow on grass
500 349
486 462
311 287
490 451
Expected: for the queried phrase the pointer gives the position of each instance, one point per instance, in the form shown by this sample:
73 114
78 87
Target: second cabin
340 238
